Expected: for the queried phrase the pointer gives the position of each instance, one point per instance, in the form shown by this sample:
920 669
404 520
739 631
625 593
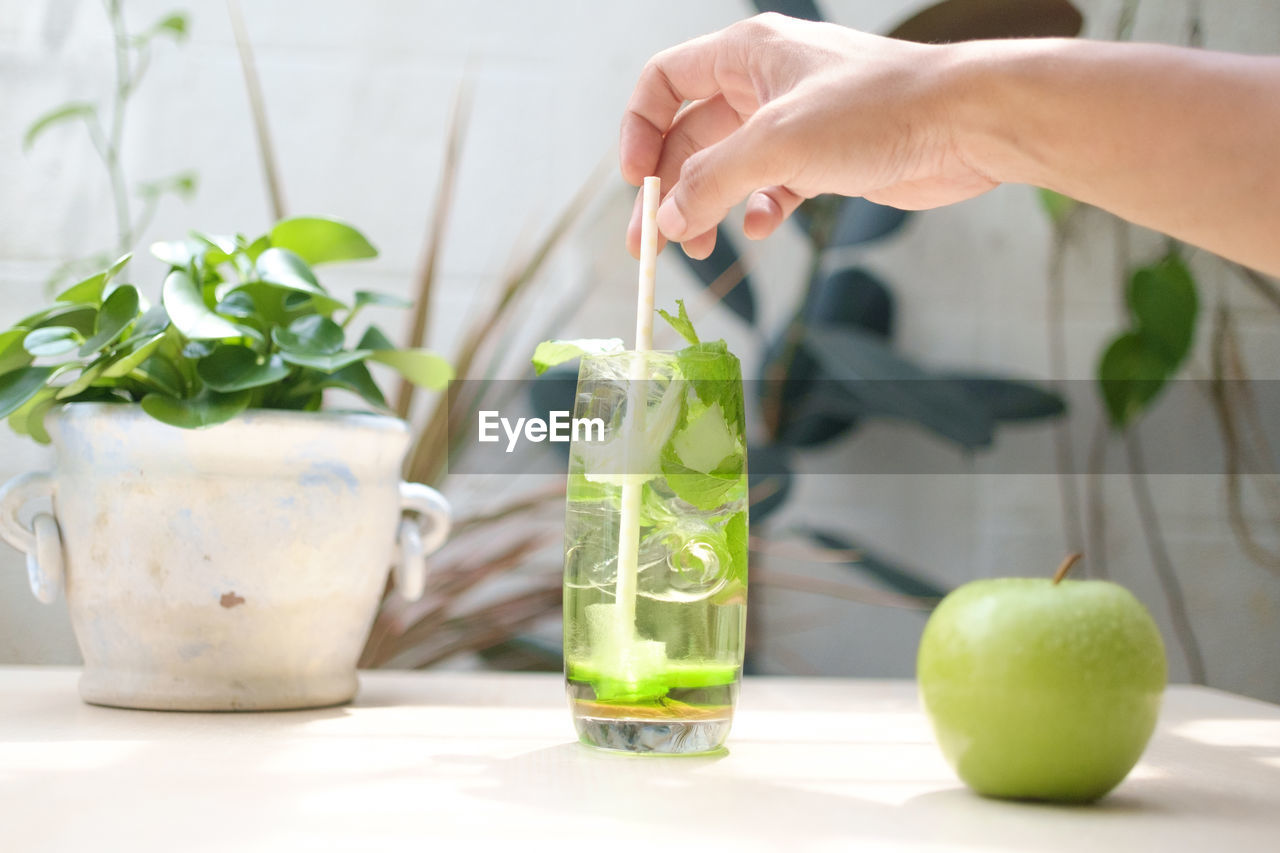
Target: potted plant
223 543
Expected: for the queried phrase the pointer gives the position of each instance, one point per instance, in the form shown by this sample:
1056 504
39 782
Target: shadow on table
587 787
667 793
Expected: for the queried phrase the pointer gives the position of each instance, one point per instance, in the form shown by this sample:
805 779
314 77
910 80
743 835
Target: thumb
721 175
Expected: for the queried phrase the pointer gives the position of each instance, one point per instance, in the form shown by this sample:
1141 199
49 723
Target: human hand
782 110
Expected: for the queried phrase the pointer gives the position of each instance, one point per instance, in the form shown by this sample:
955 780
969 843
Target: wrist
1000 110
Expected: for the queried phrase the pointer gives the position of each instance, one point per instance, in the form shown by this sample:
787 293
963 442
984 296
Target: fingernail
671 221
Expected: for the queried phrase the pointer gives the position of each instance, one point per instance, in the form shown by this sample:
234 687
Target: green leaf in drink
682 324
548 354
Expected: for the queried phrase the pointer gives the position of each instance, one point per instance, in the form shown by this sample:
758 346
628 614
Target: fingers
766 209
717 177
702 124
700 247
687 72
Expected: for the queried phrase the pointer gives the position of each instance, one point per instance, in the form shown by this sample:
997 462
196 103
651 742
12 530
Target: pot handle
42 543
416 539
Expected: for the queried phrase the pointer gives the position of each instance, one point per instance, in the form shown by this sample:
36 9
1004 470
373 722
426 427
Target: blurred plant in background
828 370
105 124
840 337
1160 316
832 367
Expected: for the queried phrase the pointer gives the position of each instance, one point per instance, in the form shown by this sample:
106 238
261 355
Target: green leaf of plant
287 269
682 324
326 362
19 386
318 240
206 409
189 313
421 367
55 116
133 353
1010 399
388 300
82 318
174 24
90 290
297 301
374 339
12 354
162 374
267 301
177 253
1131 374
886 384
195 350
356 377
283 268
310 335
182 184
236 368
238 303
117 312
1164 302
550 353
255 249
99 394
52 340
1058 206
154 321
223 245
28 419
87 377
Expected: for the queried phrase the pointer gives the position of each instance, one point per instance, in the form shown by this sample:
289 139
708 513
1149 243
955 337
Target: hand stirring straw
633 481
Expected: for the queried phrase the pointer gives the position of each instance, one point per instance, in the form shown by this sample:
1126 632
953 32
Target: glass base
653 737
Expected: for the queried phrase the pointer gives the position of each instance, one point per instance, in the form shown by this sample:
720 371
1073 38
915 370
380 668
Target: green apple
1040 689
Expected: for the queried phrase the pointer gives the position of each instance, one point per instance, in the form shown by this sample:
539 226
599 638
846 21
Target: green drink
655 583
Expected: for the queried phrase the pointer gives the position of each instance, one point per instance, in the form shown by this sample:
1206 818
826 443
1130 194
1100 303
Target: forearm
1183 141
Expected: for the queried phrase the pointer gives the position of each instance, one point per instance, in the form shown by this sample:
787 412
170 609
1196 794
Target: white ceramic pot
232 568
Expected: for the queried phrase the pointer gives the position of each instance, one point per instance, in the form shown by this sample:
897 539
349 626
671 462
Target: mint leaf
735 532
682 324
707 490
550 353
706 440
716 377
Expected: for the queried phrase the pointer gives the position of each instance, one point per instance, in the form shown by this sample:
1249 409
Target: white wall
358 95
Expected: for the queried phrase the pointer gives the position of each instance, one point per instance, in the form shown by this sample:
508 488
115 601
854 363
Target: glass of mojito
655 568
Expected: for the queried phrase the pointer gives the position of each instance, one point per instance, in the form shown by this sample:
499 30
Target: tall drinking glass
655 569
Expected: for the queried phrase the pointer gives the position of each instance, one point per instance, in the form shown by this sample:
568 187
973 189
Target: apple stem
1067 563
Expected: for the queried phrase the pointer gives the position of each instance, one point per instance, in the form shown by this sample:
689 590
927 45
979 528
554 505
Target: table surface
489 761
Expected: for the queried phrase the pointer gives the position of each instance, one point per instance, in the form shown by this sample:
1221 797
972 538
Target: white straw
633 481
648 264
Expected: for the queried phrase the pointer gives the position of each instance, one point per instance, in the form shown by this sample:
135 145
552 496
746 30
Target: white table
460 762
